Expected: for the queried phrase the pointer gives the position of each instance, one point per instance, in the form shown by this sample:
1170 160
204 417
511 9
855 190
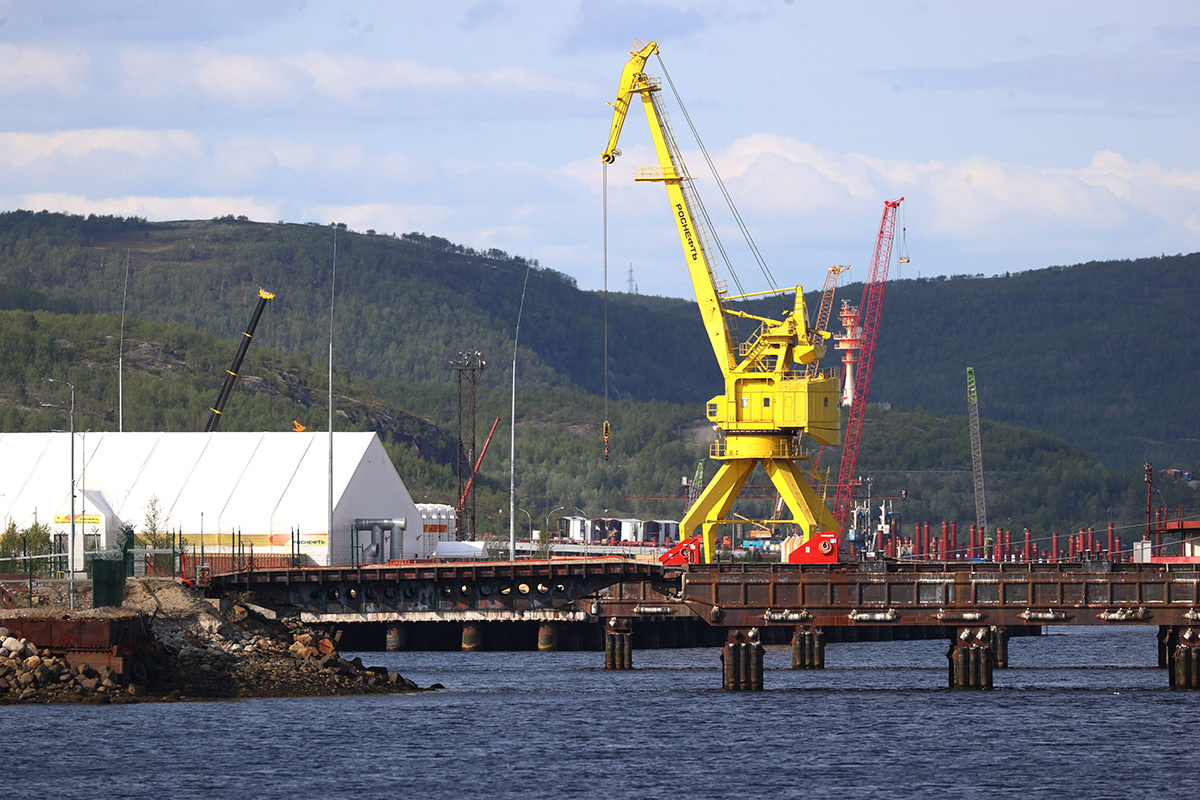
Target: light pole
546 532
71 544
528 519
550 514
587 534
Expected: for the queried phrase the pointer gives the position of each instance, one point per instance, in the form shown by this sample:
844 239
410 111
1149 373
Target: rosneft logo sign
687 231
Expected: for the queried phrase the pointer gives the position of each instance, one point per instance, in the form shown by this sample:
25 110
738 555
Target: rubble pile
28 674
195 649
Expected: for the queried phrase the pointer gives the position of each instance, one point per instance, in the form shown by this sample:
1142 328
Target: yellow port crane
768 404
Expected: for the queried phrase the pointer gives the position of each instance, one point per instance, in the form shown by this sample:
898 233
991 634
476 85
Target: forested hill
404 305
1105 355
172 374
1099 354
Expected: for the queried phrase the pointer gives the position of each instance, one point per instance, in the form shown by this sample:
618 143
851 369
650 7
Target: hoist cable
762 264
604 198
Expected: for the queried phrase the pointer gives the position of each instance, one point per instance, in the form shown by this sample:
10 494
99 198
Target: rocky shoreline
194 650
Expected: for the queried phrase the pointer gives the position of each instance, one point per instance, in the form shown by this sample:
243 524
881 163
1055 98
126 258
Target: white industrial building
271 490
603 529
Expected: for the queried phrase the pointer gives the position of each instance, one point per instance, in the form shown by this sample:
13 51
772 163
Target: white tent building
269 490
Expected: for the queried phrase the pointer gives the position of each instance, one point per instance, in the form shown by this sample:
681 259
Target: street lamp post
528 519
550 514
71 544
587 534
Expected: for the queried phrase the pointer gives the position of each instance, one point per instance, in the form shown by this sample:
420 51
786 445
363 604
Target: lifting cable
604 199
762 264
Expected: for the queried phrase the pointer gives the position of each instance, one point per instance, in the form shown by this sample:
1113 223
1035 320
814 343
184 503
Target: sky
1021 135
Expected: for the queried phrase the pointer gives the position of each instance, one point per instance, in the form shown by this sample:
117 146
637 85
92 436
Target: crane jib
686 229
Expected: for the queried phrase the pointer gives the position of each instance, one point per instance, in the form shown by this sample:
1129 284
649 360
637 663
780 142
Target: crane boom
462 501
976 452
672 172
214 419
826 308
767 404
869 311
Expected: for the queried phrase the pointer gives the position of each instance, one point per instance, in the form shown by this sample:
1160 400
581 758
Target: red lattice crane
872 303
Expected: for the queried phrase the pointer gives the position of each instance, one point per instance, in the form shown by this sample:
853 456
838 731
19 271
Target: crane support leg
715 501
808 511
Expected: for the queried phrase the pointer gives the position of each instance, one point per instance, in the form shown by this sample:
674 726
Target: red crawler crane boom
872 303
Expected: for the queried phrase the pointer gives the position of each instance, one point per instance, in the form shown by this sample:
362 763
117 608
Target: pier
610 602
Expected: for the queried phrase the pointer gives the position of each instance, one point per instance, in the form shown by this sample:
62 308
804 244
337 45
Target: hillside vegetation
1047 348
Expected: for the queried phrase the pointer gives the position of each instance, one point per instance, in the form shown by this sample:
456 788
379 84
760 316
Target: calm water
1082 712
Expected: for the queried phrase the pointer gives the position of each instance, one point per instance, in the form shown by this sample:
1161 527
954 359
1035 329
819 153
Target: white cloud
153 208
242 79
334 75
963 199
27 149
205 81
36 69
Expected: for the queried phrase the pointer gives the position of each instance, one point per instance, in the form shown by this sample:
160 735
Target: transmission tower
467 364
976 453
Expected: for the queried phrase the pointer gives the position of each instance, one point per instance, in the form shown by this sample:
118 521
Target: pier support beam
742 661
395 638
1167 636
971 659
1184 658
547 637
808 648
472 637
999 647
618 644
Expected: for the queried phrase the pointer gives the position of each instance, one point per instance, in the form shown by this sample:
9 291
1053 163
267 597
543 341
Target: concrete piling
1183 647
808 648
971 659
742 662
618 646
999 636
1166 644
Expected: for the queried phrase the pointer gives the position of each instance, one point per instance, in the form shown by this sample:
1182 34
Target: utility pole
71 544
467 363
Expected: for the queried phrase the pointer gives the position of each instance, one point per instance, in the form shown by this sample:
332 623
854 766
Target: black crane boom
232 372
